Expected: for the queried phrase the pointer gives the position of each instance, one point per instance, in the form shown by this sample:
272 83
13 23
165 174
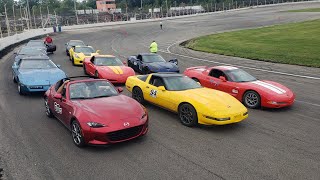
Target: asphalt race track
270 144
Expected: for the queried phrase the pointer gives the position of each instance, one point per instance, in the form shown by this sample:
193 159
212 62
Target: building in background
106 5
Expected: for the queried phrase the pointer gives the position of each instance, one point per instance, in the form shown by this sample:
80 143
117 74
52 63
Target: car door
214 81
62 107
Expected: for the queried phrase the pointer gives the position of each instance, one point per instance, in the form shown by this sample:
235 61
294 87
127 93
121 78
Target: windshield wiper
102 96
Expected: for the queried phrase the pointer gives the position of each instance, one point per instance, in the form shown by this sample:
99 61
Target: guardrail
10 41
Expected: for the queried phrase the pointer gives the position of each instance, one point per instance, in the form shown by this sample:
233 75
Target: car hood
111 109
118 70
214 100
40 76
269 88
162 65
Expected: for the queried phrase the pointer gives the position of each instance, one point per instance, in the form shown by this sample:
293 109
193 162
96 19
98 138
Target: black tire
251 99
48 110
14 79
76 134
146 70
196 80
85 70
137 94
188 115
21 92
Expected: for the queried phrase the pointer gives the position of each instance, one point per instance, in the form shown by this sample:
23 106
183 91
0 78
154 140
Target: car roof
224 68
167 74
143 54
36 57
76 40
104 55
35 41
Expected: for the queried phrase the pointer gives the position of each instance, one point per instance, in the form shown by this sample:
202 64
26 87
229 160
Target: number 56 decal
153 93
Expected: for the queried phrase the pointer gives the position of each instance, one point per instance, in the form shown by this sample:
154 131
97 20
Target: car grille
124 134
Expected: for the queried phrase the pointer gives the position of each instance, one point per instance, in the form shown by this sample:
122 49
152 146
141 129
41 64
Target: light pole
167 7
141 10
14 19
7 22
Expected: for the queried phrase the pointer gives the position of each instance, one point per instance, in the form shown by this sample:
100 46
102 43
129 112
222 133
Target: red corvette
107 67
95 112
252 92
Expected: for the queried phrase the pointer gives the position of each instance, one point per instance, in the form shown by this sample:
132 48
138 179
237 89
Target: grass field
295 43
306 10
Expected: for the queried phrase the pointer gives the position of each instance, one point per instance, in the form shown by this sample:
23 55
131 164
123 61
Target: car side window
217 73
139 57
63 93
156 81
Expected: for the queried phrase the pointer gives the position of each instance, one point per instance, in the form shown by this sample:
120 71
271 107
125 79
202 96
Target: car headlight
217 119
95 124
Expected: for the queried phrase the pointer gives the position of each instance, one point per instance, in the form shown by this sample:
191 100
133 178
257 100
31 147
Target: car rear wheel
48 110
251 99
188 115
76 132
137 94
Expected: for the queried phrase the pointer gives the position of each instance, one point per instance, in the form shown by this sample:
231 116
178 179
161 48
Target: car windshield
35 44
92 89
107 61
238 75
37 64
32 51
150 58
76 43
180 83
84 50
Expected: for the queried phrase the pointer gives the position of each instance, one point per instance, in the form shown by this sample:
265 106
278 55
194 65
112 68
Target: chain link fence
20 19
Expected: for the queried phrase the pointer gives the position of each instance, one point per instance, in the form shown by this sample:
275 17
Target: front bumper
78 61
278 103
34 88
235 118
104 136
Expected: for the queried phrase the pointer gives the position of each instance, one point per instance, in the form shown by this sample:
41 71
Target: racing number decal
153 93
57 108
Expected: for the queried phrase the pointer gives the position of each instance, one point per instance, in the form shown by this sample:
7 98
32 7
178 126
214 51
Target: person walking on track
154 47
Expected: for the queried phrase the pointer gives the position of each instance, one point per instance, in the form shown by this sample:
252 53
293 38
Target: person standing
48 40
160 24
154 47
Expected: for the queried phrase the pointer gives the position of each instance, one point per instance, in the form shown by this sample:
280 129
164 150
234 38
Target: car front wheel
188 115
48 110
137 94
251 99
76 132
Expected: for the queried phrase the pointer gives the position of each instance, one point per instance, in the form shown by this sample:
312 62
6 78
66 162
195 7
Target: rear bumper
34 88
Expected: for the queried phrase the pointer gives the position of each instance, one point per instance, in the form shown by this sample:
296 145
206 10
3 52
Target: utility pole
22 27
48 19
14 19
167 7
7 21
29 14
141 10
41 17
75 10
34 18
0 28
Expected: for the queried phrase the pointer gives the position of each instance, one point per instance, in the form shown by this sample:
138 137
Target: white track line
245 67
308 103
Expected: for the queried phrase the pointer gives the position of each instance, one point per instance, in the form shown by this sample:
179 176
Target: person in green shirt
154 47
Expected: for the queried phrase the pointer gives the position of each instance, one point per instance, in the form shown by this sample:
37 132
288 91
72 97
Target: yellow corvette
193 103
79 53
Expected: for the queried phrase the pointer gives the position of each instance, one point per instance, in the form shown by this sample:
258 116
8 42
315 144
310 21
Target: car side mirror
124 62
58 96
223 78
98 51
120 89
161 88
174 61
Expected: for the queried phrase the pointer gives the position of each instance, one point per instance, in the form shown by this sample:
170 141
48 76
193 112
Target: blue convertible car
35 74
146 63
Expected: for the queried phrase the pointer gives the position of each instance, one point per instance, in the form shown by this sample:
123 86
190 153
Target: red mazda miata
95 112
252 92
107 67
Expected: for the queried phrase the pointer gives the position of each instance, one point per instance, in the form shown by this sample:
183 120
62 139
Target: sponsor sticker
153 93
57 108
